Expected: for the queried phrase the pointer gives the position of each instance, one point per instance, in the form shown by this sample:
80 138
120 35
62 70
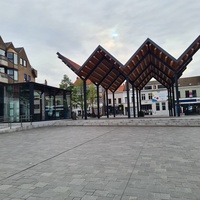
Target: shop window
157 106
194 93
179 94
163 106
187 93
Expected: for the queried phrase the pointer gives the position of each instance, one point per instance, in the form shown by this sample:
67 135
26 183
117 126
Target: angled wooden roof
101 68
149 61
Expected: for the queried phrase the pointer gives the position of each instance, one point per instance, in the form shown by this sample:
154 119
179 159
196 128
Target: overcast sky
75 28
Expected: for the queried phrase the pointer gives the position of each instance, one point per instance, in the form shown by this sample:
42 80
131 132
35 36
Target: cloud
75 28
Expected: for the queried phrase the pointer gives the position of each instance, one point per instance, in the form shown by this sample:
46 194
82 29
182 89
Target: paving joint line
43 161
135 164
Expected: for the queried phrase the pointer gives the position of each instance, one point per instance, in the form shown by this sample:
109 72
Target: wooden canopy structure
149 61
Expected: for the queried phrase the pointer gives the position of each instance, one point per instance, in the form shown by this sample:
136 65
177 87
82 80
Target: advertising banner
159 96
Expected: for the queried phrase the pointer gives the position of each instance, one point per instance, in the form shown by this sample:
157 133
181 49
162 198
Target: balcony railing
3 60
5 78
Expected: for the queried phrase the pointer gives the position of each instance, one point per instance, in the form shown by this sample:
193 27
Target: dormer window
24 63
21 61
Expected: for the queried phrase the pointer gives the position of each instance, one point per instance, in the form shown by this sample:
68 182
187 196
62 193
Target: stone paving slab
100 163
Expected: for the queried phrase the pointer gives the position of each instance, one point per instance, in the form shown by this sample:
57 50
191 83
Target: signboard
159 96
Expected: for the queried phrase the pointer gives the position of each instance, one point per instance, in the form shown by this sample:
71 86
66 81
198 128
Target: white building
154 98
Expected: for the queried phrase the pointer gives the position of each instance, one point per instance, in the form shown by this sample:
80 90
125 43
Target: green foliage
66 83
91 96
77 95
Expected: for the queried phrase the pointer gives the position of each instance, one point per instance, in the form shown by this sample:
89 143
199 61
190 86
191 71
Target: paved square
100 163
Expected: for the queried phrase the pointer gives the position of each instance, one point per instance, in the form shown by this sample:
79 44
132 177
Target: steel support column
107 103
128 98
168 101
170 96
177 96
85 98
31 100
173 96
113 104
140 100
133 94
98 111
137 102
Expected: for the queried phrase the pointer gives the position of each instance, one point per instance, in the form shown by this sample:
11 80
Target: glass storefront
33 101
11 103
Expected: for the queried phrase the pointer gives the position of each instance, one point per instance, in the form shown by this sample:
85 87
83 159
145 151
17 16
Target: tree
92 95
77 96
66 83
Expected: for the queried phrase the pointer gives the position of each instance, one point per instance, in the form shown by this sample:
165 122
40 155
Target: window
148 87
150 96
25 77
154 87
2 69
2 52
20 61
10 73
109 101
143 96
24 63
157 106
125 99
13 74
119 100
194 93
179 94
29 78
12 57
163 106
187 93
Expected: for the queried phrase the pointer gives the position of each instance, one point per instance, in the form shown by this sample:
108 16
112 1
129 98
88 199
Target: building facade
23 99
14 64
155 101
